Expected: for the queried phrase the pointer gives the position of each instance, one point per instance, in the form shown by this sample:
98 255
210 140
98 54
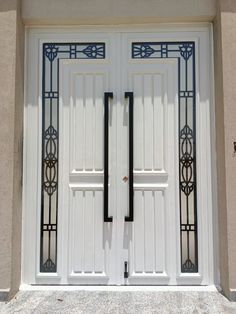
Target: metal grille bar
52 53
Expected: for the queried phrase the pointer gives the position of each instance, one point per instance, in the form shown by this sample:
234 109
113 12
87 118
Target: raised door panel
90 240
153 230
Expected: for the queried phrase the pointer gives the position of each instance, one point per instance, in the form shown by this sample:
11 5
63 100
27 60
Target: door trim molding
35 37
210 288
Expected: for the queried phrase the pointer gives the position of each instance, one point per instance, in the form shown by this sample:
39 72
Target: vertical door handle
107 96
130 217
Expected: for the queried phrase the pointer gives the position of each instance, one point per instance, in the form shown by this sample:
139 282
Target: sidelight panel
51 54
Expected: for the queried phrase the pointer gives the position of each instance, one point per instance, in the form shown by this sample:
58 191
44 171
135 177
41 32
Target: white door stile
89 251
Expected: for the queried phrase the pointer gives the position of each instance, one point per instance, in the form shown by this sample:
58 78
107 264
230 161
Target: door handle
130 217
107 96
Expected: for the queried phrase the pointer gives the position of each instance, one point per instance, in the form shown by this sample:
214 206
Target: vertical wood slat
149 231
78 234
148 122
138 122
158 127
138 232
89 232
89 127
79 127
99 111
98 232
159 231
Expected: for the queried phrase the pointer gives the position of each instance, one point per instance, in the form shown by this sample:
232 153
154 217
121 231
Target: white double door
91 250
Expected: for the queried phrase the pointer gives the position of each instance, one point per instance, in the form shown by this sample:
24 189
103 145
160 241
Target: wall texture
11 113
225 80
115 11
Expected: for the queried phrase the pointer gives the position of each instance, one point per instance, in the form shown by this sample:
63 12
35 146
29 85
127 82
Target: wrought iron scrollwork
186 160
184 52
52 52
94 51
189 267
50 160
48 266
143 51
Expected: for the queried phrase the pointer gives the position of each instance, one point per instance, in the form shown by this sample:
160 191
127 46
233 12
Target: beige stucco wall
11 113
225 79
229 88
115 11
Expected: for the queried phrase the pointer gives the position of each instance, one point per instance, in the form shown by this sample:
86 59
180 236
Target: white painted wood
138 247
151 243
158 124
82 86
99 261
159 224
138 123
148 121
78 120
155 88
98 143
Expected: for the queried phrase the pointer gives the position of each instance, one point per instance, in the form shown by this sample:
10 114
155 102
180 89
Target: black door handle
130 96
107 96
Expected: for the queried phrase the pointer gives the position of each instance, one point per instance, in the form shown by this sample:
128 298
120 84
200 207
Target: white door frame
205 134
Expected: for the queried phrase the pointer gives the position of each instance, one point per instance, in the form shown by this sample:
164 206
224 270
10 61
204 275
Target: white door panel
91 242
150 254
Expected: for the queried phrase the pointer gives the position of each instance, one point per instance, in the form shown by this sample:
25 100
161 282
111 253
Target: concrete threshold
117 301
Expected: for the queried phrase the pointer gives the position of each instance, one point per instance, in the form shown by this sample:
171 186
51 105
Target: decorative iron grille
52 53
185 54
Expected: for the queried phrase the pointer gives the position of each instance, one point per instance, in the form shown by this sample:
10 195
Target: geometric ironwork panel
52 52
185 54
